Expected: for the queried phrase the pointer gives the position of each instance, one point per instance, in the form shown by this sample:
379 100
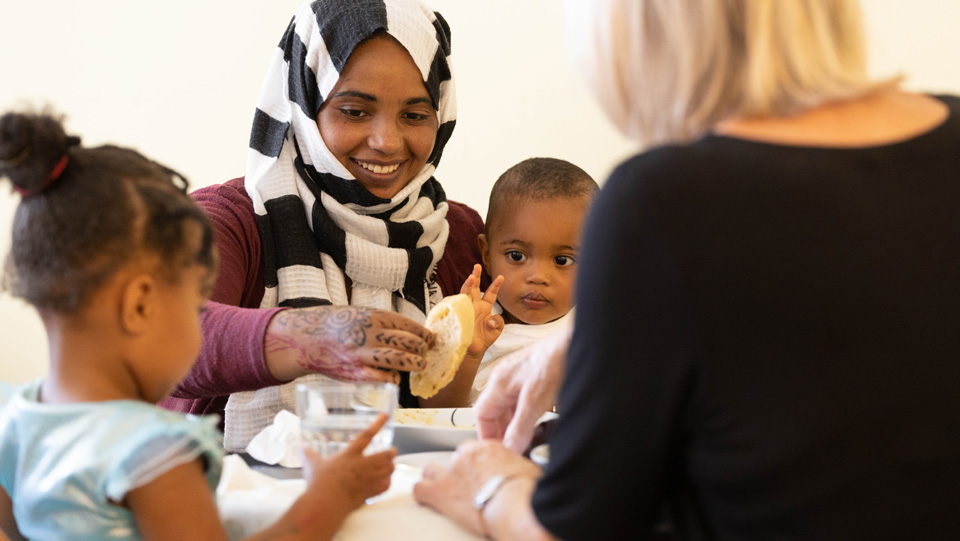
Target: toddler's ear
137 303
484 251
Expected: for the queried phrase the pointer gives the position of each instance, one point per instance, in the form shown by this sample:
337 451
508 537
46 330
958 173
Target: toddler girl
118 261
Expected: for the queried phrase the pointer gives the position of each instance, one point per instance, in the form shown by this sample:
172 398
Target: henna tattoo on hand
322 339
404 342
339 341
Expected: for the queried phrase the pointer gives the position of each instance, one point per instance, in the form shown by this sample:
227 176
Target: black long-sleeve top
768 340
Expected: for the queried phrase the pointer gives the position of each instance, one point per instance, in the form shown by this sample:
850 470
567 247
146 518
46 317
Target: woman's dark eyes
359 113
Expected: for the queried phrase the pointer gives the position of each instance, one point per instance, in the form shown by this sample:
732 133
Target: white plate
442 429
421 460
420 430
408 472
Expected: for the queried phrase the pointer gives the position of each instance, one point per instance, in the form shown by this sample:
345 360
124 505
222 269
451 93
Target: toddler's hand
487 326
348 478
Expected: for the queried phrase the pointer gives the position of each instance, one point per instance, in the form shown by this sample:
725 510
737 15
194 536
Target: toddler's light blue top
68 467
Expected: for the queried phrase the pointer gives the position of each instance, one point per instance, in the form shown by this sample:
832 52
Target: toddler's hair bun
31 145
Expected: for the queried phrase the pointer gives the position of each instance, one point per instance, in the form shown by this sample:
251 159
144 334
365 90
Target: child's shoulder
111 436
121 424
111 447
164 440
83 456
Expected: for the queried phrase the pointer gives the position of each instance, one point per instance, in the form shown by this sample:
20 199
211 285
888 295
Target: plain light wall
179 80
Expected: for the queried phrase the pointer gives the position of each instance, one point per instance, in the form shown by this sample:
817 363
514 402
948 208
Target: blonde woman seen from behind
765 339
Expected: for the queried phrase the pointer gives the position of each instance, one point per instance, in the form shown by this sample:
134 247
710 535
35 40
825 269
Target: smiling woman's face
378 120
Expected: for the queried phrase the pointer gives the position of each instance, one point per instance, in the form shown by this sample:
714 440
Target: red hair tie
54 175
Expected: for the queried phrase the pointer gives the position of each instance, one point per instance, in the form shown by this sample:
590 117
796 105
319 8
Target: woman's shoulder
231 212
465 225
953 107
461 251
950 100
461 215
233 193
662 168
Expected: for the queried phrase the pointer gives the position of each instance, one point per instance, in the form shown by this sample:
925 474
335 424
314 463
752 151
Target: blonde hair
669 70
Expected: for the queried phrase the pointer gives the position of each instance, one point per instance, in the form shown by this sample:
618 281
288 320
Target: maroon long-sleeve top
231 359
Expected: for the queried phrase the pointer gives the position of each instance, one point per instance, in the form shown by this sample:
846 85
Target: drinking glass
333 412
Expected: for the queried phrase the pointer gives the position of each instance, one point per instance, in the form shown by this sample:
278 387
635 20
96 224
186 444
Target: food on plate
451 322
414 416
443 418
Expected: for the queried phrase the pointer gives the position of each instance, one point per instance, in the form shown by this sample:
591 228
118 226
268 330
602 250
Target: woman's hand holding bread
348 343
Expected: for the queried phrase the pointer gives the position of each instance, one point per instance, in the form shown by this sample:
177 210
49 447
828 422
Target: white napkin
278 443
400 518
249 501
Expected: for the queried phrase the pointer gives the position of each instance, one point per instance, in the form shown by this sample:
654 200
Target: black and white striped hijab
317 223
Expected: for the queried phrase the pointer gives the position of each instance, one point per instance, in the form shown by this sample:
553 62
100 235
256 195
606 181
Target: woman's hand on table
344 342
523 386
451 491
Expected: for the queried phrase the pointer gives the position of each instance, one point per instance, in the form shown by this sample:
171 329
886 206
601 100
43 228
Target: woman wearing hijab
339 239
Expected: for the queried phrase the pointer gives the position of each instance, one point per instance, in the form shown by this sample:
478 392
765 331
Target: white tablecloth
249 501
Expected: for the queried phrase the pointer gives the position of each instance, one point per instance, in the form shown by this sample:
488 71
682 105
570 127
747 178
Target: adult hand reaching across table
721 293
521 389
465 491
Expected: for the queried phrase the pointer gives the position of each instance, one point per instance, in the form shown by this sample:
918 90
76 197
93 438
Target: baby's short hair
539 179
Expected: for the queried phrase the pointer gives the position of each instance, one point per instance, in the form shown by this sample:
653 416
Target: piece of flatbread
451 322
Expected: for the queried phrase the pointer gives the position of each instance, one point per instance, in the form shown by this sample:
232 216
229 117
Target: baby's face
535 245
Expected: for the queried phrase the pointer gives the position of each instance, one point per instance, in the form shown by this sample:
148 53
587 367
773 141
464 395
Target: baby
536 211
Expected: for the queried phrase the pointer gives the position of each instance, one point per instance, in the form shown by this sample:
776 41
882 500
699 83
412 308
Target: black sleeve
629 373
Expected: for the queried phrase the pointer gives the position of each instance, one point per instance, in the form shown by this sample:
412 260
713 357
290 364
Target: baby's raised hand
487 326
346 479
